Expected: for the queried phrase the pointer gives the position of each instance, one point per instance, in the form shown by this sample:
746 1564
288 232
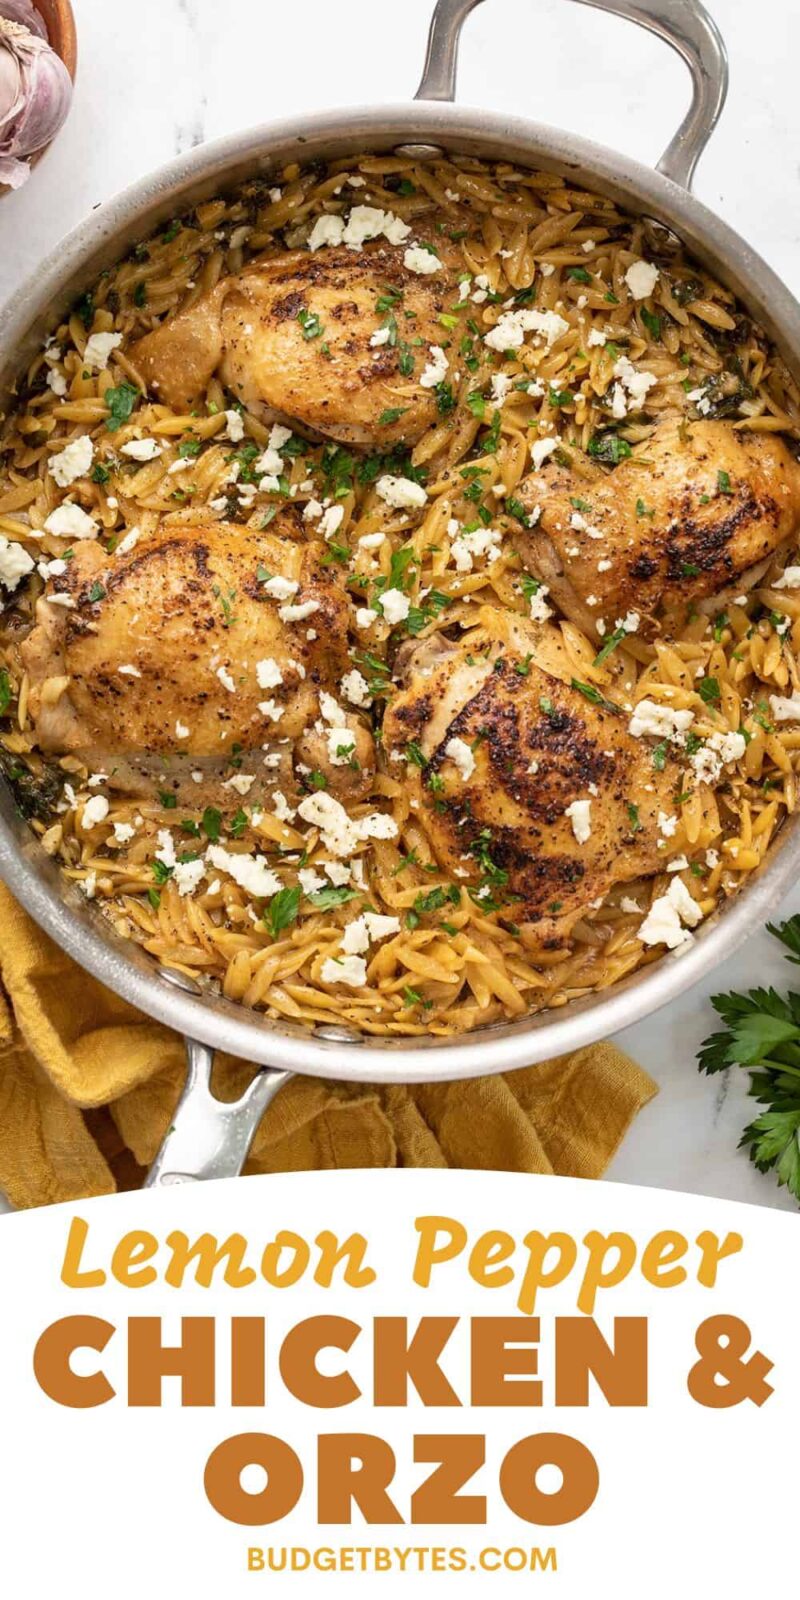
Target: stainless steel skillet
209 1139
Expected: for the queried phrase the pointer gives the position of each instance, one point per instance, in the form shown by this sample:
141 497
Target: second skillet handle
210 1138
683 24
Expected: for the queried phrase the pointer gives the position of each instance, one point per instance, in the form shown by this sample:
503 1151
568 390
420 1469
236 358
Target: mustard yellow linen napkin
88 1087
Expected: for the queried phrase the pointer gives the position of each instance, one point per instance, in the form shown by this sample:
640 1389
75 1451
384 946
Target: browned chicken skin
293 333
538 745
704 509
173 646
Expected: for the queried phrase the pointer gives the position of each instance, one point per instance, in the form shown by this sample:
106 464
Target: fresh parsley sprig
762 1034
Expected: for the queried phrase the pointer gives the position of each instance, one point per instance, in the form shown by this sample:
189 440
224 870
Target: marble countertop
158 78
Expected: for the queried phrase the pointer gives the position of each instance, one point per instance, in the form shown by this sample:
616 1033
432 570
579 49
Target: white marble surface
160 76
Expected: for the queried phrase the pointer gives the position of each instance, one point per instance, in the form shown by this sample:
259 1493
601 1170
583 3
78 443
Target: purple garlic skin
24 11
35 95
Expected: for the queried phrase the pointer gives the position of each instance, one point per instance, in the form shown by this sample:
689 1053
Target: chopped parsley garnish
633 817
100 474
325 899
445 399
140 294
238 823
390 415
310 324
317 779
161 872
189 448
282 910
434 900
5 691
610 645
689 569
580 505
120 402
97 592
515 508
644 511
477 404
579 275
168 801
608 447
660 755
724 484
709 690
405 360
651 322
172 231
212 824
592 694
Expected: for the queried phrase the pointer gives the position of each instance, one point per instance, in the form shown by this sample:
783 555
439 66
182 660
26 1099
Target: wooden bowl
60 22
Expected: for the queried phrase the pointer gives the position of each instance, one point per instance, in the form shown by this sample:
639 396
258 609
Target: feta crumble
73 462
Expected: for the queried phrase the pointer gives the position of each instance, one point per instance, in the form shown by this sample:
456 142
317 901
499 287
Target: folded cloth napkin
88 1087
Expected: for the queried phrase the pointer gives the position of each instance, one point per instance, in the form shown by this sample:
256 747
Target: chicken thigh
196 641
697 509
335 338
530 791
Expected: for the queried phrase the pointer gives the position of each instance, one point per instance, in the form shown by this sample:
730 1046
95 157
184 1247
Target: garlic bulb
24 11
35 94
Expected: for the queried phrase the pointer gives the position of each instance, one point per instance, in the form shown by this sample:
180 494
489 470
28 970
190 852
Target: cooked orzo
399 609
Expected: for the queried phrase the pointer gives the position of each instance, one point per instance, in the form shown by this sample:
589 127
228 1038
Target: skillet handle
210 1138
683 24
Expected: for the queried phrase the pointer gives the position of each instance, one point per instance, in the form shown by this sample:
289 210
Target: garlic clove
24 11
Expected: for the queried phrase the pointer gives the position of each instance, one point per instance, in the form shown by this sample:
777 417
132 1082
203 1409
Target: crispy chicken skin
259 329
159 652
538 745
698 509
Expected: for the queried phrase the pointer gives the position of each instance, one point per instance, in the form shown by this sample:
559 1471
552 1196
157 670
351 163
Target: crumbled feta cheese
712 859
271 709
501 388
436 370
660 721
187 876
678 864
371 541
785 708
98 349
124 832
268 673
366 930
226 679
95 811
280 588
234 426
541 449
351 970
251 873
365 617
281 807
340 834
57 382
15 563
629 906
341 745
461 755
355 688
641 278
667 824
596 337
400 492
789 579
73 462
142 449
509 332
469 547
129 671
638 384
332 520
310 881
313 511
664 921
69 521
181 730
241 782
580 815
395 606
300 612
418 259
128 542
364 222
539 610
380 337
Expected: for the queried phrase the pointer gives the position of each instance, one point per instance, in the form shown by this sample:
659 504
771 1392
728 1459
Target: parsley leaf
120 402
324 899
282 910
